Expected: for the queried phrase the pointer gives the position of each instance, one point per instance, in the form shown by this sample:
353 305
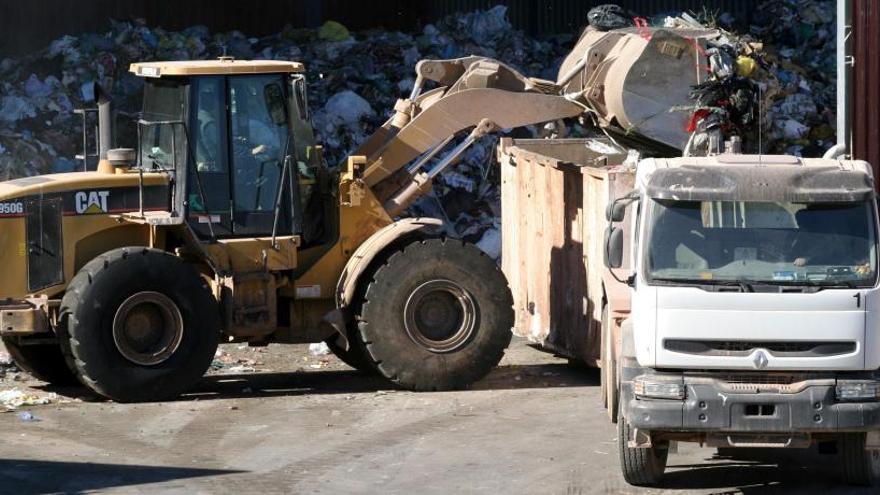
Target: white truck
755 310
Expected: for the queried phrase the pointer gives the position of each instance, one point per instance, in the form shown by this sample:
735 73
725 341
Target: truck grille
745 347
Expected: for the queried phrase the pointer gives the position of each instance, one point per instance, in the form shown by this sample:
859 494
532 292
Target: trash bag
607 17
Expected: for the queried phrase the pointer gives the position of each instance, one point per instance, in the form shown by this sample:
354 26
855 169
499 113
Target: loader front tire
42 361
355 356
437 315
141 325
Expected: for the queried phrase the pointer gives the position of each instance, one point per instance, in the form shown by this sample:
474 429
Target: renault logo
760 361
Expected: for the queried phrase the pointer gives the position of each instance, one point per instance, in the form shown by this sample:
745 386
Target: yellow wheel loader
225 225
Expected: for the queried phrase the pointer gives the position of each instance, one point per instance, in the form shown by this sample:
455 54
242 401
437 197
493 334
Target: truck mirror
616 211
613 247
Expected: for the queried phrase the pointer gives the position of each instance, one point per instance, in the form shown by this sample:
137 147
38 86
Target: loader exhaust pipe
105 122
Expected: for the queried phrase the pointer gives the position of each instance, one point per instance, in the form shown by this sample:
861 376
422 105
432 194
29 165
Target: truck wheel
640 467
42 361
142 325
858 466
609 368
437 315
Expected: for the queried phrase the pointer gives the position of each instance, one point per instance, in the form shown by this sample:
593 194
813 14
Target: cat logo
92 202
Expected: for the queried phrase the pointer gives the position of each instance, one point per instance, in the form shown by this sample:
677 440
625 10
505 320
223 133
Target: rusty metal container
553 198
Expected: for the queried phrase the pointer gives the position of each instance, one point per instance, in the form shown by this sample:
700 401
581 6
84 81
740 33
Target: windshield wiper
849 284
745 285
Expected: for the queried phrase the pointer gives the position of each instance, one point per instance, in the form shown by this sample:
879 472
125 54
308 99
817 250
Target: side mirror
301 96
616 211
613 247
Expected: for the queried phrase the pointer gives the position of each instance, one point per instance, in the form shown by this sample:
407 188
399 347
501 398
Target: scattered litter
27 417
226 363
602 147
14 398
319 349
490 243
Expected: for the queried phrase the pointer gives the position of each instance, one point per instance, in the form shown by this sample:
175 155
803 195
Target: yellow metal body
245 272
86 235
254 279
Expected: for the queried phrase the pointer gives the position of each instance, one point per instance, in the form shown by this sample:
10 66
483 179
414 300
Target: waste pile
356 77
799 92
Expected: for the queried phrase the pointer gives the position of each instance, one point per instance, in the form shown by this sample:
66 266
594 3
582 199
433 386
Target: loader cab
237 140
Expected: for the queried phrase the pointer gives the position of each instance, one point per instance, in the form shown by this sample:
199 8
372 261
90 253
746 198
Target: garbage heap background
355 78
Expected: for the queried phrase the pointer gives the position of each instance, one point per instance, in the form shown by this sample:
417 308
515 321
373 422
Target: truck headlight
654 388
857 390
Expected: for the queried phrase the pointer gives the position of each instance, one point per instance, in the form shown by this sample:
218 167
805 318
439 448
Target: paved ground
311 425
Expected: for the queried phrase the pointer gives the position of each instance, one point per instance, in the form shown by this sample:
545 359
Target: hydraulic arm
473 93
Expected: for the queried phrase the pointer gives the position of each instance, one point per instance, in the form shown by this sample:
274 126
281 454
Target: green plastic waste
333 31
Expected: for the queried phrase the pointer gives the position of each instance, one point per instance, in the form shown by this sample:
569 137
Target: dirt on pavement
281 420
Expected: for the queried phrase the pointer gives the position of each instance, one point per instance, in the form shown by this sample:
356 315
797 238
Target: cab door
242 142
252 174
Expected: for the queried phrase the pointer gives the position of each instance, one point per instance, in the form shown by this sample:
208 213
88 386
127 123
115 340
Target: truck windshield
717 242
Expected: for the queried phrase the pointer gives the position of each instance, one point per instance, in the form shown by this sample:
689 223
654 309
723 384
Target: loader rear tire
437 315
142 325
42 361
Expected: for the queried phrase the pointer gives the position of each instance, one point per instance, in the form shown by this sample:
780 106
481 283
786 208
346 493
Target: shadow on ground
760 472
37 477
294 383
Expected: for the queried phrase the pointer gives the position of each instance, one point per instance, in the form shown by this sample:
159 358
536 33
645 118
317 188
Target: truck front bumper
25 317
721 406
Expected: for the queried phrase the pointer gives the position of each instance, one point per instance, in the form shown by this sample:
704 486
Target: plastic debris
799 63
27 417
490 243
607 17
14 398
356 77
333 31
319 349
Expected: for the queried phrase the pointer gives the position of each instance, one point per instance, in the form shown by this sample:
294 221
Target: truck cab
754 292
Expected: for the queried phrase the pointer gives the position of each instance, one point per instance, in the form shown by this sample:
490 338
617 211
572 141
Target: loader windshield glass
162 143
717 242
